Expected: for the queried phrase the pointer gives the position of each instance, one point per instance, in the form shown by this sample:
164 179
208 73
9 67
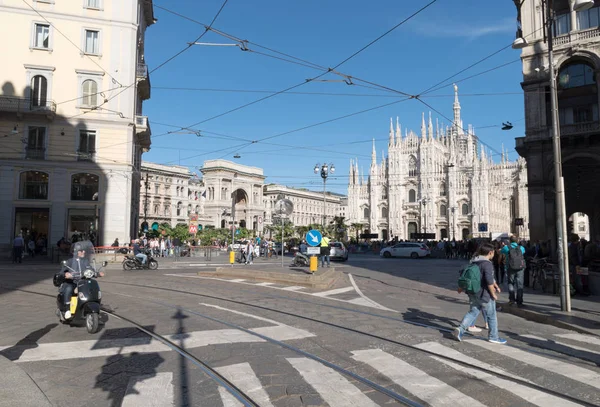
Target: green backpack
470 279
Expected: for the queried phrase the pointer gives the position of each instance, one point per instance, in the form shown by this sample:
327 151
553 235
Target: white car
406 249
338 251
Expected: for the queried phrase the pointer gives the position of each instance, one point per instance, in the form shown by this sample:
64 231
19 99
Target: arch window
443 189
189 208
39 91
179 208
412 196
578 99
443 210
465 209
33 185
197 210
588 18
366 213
412 166
89 93
84 187
384 212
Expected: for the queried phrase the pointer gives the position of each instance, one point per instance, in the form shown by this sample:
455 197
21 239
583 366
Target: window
465 209
366 213
581 226
576 75
178 208
87 145
588 18
36 143
156 208
92 45
384 212
412 196
412 166
39 91
443 210
84 187
89 93
41 36
156 189
33 185
92 4
443 189
167 210
562 24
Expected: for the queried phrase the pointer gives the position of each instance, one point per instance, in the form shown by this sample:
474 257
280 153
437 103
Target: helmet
77 247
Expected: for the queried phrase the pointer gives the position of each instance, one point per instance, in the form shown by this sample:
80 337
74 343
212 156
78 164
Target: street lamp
453 210
423 202
324 170
561 226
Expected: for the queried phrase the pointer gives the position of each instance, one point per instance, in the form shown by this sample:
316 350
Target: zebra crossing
351 294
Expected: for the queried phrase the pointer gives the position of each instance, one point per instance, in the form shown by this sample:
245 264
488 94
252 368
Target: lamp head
317 168
582 5
331 168
519 43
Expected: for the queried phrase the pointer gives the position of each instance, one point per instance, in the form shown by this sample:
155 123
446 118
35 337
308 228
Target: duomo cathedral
442 182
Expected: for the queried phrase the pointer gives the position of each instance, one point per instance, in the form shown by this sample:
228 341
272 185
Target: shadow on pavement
416 315
29 342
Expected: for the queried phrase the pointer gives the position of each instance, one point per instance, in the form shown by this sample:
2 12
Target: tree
337 228
358 227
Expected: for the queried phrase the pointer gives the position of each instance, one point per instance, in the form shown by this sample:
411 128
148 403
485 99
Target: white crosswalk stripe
550 341
570 371
336 390
154 390
245 379
588 339
528 394
333 292
426 387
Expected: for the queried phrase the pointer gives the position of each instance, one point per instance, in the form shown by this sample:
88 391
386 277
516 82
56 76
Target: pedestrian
18 246
325 251
250 250
515 268
481 289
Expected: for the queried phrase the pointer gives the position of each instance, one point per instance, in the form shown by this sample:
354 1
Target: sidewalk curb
320 280
17 388
542 318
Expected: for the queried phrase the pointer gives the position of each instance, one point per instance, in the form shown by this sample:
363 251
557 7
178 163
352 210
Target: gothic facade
440 182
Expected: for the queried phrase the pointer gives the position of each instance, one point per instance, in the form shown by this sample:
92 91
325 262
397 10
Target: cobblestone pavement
404 309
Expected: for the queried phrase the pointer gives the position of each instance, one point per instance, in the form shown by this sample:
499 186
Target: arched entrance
223 224
444 233
582 177
412 228
465 233
384 234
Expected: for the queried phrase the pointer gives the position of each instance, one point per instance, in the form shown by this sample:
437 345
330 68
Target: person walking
482 294
515 267
18 246
325 251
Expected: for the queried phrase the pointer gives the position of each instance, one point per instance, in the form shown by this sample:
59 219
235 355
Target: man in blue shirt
137 252
515 268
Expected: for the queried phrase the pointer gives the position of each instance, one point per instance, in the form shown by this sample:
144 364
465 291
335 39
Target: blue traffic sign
313 237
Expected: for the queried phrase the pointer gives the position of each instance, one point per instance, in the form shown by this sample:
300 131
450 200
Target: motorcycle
132 262
300 260
86 298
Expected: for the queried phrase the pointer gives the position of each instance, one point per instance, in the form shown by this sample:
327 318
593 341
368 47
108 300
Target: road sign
483 227
313 250
193 229
313 237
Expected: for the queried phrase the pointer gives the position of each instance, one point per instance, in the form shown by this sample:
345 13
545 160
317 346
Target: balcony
143 81
35 153
579 128
590 35
22 106
142 130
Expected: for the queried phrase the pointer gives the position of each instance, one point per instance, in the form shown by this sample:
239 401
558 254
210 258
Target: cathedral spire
391 132
398 130
423 130
457 121
430 128
373 155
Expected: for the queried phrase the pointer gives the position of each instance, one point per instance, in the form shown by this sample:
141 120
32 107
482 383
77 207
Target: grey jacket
487 278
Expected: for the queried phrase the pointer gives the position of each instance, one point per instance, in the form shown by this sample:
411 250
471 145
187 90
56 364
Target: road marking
293 288
581 338
333 292
565 369
364 297
413 380
265 284
155 390
561 343
331 386
238 280
245 379
533 396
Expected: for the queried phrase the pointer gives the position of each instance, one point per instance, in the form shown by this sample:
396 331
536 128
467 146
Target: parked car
338 251
406 249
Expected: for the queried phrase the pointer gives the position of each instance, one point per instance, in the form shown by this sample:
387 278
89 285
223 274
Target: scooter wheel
128 265
153 265
92 322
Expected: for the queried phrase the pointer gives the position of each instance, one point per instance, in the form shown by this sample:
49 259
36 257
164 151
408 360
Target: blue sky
442 40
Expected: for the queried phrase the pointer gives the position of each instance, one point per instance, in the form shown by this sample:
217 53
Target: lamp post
561 221
453 210
233 196
424 211
325 170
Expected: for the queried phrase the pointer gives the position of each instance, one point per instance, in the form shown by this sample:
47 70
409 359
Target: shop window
33 185
84 187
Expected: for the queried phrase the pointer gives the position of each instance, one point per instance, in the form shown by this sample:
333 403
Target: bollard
314 261
231 257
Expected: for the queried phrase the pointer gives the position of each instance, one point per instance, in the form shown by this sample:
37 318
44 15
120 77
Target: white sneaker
474 329
68 315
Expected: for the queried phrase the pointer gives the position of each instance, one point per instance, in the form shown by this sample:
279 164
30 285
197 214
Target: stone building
74 78
437 182
576 48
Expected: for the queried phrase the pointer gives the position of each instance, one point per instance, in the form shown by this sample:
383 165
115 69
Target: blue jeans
515 282
142 257
489 313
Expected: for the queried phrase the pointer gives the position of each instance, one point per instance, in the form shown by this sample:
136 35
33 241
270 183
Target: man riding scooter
77 265
137 252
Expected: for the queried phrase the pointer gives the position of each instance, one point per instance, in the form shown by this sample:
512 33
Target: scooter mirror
104 263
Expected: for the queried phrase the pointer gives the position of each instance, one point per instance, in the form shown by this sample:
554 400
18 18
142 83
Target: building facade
169 194
308 205
71 118
576 48
439 183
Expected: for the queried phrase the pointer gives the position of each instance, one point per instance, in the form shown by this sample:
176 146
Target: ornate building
438 183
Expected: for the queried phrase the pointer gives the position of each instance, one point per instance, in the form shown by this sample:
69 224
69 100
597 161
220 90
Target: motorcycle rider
137 251
77 265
